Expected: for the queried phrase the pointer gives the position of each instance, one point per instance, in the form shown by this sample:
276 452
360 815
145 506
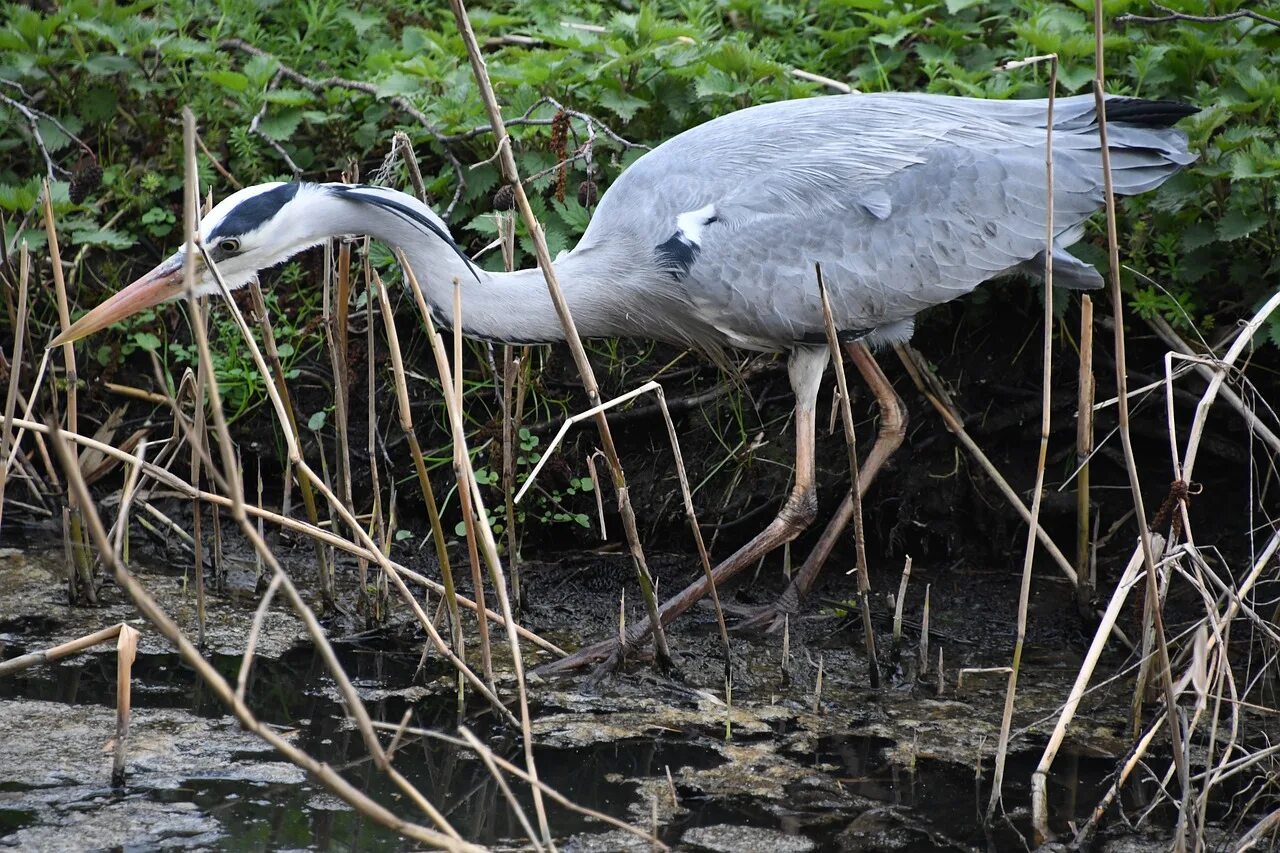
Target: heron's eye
229 246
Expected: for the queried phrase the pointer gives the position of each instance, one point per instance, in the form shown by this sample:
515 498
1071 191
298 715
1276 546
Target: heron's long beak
160 285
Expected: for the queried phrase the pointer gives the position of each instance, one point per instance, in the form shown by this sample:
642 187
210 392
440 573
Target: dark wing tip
1144 113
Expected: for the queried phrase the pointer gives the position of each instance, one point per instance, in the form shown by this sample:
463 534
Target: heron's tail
1145 147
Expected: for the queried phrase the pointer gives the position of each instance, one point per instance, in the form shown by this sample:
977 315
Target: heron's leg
805 367
893 428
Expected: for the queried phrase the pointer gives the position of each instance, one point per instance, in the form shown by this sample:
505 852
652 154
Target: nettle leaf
623 105
108 237
1239 223
281 125
573 214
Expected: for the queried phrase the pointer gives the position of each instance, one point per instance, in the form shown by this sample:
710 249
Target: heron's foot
603 652
773 618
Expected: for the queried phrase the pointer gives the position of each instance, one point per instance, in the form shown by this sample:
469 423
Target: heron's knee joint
801 508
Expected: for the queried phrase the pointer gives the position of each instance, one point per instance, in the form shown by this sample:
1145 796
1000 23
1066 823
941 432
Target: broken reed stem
80 579
1084 452
420 467
58 652
461 465
1033 523
272 353
468 487
285 522
1126 441
851 445
511 175
15 366
897 605
924 632
192 657
126 652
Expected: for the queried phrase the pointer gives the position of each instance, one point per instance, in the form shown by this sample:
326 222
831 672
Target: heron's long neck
510 307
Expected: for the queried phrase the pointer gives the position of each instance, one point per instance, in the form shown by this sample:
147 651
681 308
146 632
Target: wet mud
783 767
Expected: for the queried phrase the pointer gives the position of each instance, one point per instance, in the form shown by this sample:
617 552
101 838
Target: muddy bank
896 769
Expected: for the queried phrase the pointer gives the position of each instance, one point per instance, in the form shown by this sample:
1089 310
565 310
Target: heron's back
907 201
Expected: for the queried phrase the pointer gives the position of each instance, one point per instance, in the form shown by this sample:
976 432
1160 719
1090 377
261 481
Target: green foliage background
116 75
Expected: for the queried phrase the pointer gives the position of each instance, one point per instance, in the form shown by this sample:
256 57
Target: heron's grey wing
906 201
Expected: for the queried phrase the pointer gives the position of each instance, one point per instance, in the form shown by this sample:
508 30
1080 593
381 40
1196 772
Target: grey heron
710 240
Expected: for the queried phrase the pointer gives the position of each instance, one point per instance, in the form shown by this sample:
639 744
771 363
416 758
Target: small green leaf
316 421
146 341
232 81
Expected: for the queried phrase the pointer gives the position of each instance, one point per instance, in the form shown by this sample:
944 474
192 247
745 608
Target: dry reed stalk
369 547
126 652
927 382
1046 379
1205 367
199 446
817 688
230 480
255 630
192 657
695 528
293 525
1039 790
80 581
511 371
120 540
15 364
897 605
420 467
511 174
924 632
851 445
487 756
272 352
1085 569
341 368
377 524
542 786
461 467
58 652
1126 441
467 487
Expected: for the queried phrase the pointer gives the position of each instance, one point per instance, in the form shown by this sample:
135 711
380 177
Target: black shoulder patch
676 255
249 215
404 212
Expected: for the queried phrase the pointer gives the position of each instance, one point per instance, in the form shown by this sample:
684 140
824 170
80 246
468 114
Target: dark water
943 801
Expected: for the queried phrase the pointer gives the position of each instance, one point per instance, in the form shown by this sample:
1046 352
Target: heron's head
255 228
